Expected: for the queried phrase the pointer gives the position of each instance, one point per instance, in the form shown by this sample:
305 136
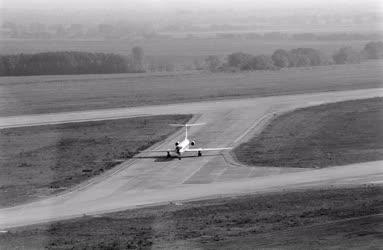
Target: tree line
299 57
336 36
71 62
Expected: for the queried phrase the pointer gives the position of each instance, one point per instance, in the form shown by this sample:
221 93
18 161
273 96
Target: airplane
184 146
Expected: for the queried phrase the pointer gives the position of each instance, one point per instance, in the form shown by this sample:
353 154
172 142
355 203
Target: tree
280 58
138 59
4 66
213 63
311 54
262 62
373 50
70 62
240 60
346 55
298 60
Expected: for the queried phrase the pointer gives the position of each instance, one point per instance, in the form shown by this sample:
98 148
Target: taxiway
145 180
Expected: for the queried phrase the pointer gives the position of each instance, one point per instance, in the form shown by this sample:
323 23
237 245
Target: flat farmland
46 94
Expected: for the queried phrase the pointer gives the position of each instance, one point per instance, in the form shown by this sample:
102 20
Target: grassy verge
46 94
321 136
38 161
298 219
354 233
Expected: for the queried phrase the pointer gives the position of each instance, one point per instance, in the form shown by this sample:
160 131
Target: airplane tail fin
186 126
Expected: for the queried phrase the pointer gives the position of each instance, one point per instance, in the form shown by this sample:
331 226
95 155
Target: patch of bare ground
42 160
320 136
330 218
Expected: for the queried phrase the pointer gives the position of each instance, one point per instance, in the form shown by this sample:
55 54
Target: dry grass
38 161
315 137
300 220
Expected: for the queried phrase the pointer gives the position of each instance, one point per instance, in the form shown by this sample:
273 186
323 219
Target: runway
144 180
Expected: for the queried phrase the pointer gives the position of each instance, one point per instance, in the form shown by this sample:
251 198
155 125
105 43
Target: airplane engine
192 143
177 143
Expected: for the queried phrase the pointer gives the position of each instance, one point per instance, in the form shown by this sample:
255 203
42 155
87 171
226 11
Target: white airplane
184 146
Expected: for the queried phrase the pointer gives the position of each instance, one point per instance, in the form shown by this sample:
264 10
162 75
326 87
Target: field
313 219
44 94
38 161
321 136
178 51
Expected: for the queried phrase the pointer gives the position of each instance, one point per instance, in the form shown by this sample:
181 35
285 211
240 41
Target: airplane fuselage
182 146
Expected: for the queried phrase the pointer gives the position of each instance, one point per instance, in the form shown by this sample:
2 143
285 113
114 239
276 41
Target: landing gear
199 153
168 155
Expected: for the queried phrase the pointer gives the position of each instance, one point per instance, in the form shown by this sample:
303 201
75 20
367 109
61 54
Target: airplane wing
205 149
161 150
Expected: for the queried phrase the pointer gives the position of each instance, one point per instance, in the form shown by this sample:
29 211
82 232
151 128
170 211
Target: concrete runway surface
148 179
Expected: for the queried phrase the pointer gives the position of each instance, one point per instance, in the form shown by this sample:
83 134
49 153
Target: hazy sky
185 4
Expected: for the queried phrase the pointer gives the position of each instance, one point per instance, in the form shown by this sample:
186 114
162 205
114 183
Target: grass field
44 94
329 218
321 136
38 161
